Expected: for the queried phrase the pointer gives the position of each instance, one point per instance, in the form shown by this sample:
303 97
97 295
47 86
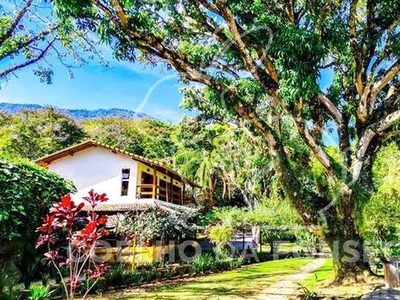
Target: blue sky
120 85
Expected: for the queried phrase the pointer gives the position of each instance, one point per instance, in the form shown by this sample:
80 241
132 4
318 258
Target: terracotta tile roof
140 204
46 160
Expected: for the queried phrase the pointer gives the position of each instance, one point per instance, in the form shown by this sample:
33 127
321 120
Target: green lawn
244 282
323 275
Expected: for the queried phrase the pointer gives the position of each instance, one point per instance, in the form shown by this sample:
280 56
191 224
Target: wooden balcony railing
164 193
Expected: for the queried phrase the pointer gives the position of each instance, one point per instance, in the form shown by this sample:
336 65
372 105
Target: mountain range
78 114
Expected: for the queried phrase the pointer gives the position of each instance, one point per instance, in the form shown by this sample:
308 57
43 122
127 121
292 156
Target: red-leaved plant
66 222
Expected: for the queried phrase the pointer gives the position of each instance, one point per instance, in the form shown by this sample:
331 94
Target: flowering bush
153 222
66 222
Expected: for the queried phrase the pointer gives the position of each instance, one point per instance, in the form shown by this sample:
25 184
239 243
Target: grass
323 276
244 282
321 280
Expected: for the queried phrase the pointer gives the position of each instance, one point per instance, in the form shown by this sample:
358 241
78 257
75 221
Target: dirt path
287 286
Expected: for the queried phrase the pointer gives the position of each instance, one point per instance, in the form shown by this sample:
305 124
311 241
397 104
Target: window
125 182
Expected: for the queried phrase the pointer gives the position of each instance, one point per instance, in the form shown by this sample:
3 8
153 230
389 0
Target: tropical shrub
203 263
221 234
154 222
66 222
309 240
115 275
27 192
381 214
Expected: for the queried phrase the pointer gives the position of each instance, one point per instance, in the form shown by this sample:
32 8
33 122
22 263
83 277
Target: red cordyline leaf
48 225
51 255
66 209
98 272
45 239
63 261
100 220
95 198
88 236
47 230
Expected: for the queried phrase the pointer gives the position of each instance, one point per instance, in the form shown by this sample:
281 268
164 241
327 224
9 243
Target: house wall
99 169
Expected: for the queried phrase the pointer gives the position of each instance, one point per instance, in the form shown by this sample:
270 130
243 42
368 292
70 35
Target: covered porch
159 183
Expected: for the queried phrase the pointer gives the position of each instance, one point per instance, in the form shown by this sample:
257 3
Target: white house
128 180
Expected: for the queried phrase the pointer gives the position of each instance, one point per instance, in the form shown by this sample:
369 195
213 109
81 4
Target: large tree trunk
349 255
336 220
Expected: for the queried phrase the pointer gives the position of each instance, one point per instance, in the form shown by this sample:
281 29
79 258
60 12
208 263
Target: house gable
97 168
123 176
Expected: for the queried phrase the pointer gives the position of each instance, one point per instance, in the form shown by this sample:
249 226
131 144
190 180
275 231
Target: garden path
287 286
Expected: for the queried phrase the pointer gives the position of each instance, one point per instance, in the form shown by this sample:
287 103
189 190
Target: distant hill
77 114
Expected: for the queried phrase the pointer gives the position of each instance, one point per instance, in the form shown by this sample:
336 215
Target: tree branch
354 46
316 149
14 68
29 42
378 128
388 76
16 21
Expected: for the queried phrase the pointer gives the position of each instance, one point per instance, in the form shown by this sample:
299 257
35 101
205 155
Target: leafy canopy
34 133
146 137
30 33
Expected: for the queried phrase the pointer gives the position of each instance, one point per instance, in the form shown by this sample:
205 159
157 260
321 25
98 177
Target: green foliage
29 34
151 223
115 275
214 262
308 240
203 263
39 292
308 293
276 218
271 212
34 133
222 159
27 193
9 276
146 137
221 234
231 216
382 212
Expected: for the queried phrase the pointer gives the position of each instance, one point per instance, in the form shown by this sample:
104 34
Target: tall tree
260 61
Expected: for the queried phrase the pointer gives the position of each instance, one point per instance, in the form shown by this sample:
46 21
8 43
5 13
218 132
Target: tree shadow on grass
206 289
